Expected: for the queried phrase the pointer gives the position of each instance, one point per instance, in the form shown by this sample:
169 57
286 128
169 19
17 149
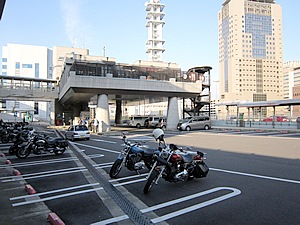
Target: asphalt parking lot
240 181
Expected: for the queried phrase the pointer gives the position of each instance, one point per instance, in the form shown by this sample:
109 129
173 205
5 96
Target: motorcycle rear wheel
116 168
151 180
12 150
22 153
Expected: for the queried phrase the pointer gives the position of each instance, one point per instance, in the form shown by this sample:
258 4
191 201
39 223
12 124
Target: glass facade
83 68
225 34
259 26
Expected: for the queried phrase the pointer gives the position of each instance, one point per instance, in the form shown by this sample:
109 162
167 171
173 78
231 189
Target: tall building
250 50
154 25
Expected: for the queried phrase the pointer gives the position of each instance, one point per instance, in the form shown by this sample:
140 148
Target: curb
54 219
30 190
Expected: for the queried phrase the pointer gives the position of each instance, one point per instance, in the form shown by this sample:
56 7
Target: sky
190 31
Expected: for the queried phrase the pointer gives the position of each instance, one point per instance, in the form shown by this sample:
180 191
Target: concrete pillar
52 112
173 113
118 116
102 113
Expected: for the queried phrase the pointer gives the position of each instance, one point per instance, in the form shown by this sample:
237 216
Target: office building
291 78
250 51
27 61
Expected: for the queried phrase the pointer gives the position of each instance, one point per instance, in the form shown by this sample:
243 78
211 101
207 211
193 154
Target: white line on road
54 191
43 174
111 142
257 176
234 193
43 162
57 196
102 149
94 156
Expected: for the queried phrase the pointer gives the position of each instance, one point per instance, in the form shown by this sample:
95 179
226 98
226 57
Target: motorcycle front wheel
151 180
60 151
4 140
22 153
116 168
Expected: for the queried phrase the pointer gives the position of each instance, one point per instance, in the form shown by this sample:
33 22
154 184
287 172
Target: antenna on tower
103 51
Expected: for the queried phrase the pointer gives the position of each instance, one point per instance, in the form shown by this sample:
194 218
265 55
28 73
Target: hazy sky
190 32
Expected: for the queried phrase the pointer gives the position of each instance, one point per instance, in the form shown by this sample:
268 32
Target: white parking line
111 142
102 149
234 192
40 162
257 176
54 191
56 197
42 174
94 156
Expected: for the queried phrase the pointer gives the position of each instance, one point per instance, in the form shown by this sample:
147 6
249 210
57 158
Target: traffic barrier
8 162
16 173
30 190
54 219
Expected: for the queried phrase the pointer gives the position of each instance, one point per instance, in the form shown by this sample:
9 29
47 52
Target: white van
156 121
194 123
137 121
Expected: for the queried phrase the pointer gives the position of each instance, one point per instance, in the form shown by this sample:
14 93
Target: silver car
78 132
194 123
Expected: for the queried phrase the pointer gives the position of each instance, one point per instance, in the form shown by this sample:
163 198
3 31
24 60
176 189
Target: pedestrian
96 125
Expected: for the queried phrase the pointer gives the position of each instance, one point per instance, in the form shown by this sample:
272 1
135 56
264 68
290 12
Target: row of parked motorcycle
168 161
25 140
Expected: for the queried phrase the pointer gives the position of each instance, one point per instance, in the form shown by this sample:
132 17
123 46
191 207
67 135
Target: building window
4 67
3 104
29 66
18 65
37 70
4 59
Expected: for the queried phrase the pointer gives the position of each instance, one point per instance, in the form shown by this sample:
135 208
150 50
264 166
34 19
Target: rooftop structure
154 25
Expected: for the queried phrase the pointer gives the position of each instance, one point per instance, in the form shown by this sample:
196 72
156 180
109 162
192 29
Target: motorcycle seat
187 156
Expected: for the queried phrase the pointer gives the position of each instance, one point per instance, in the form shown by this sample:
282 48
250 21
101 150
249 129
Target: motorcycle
175 164
42 143
134 157
19 142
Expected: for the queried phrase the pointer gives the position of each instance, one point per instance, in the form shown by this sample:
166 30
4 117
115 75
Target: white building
291 78
27 61
154 25
250 51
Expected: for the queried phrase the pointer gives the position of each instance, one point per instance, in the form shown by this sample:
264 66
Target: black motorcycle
175 164
39 144
134 157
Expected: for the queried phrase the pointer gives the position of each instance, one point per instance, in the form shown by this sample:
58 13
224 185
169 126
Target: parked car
277 119
156 121
137 121
78 132
194 123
